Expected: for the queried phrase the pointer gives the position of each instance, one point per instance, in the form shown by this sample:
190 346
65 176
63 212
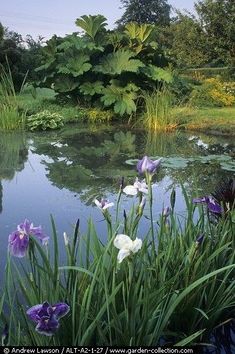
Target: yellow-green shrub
97 115
213 92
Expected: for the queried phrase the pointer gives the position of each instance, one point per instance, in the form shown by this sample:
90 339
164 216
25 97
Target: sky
48 17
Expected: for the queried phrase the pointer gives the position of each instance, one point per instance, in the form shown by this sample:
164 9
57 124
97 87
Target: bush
213 92
45 120
97 115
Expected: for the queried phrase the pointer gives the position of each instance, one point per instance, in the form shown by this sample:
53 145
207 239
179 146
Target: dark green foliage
145 11
103 68
217 20
22 56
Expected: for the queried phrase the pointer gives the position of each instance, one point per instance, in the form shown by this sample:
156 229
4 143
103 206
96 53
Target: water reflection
91 163
13 154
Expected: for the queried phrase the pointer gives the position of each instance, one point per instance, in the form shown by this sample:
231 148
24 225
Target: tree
145 11
188 42
217 19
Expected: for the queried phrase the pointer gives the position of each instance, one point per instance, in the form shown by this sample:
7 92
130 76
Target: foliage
119 62
217 20
45 120
213 92
92 25
206 38
123 98
96 115
141 301
23 56
145 11
11 115
188 45
102 68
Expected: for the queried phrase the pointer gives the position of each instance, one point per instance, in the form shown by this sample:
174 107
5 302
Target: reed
11 116
157 114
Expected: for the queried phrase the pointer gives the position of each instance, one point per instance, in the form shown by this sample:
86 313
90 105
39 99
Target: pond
61 172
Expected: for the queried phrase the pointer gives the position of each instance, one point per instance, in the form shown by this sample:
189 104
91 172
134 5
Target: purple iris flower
148 165
18 241
211 203
47 316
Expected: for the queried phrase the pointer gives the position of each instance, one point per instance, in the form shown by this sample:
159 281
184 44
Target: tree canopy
145 11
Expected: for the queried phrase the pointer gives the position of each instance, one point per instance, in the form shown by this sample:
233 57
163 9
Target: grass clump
157 110
175 287
11 116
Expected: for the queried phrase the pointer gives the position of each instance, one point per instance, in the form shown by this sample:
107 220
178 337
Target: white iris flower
126 246
136 188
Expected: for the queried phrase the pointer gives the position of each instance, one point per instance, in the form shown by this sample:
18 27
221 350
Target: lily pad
228 166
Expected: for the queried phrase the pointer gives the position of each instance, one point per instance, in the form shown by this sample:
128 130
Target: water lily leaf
228 166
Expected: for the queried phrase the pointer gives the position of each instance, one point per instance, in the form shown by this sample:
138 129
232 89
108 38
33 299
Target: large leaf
75 66
157 74
121 97
118 62
140 32
65 84
91 24
73 41
92 88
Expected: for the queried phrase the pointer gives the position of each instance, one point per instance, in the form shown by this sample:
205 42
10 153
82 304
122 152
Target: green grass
214 120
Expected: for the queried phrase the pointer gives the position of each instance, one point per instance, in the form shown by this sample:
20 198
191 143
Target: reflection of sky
30 194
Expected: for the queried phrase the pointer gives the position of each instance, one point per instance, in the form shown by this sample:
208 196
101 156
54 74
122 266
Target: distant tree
1 32
145 11
21 56
187 42
217 19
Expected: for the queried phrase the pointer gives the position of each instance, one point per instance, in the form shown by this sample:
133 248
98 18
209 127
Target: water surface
60 173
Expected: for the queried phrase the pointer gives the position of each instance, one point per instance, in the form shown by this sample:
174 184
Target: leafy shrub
45 120
213 92
97 115
103 68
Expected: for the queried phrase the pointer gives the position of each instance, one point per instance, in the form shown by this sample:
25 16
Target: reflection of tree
91 163
13 154
87 162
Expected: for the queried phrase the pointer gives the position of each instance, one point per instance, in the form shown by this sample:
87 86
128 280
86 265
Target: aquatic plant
175 283
157 114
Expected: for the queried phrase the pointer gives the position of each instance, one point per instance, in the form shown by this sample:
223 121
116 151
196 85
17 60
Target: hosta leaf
75 66
92 88
65 85
157 74
118 62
